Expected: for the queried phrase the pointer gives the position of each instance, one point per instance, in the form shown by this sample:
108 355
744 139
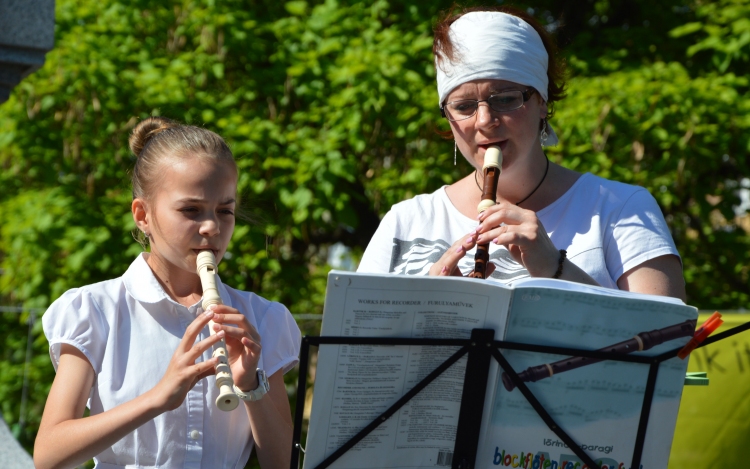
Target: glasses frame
526 94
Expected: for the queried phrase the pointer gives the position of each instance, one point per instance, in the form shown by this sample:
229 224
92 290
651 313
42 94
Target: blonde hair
157 139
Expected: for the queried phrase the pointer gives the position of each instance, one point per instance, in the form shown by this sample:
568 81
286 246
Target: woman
499 76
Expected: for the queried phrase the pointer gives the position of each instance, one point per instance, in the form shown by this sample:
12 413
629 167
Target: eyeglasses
501 102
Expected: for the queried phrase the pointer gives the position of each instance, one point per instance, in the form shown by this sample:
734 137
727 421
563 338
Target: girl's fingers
250 344
198 348
192 331
204 369
226 315
241 336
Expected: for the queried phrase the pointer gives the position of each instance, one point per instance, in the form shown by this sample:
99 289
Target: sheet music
598 405
354 384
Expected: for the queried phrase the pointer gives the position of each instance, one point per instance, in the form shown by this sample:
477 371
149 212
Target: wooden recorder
227 399
493 163
640 342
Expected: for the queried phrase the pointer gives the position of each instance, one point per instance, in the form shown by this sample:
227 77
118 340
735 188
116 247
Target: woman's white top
129 328
607 227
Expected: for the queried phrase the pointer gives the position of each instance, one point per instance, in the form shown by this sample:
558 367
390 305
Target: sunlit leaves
331 111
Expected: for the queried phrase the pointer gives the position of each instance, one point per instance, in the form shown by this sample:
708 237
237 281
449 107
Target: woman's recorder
493 163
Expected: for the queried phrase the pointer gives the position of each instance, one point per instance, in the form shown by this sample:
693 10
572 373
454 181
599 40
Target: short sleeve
639 234
280 339
377 256
77 320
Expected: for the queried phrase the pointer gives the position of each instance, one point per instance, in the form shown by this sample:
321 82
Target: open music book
598 405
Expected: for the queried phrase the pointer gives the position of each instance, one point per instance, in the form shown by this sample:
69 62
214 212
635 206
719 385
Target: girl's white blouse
128 328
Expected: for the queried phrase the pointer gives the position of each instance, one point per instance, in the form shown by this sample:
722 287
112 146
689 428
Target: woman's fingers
448 263
502 213
526 234
507 224
499 217
516 253
530 246
523 234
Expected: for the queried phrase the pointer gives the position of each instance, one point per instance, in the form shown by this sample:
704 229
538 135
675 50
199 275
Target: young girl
135 349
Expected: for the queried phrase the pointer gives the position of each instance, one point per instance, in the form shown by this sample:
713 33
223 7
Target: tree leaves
331 111
725 28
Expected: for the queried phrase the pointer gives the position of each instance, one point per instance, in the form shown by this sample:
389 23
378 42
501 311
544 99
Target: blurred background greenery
331 110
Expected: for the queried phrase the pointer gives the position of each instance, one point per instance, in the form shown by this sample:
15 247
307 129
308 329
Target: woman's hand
183 372
243 345
448 264
522 233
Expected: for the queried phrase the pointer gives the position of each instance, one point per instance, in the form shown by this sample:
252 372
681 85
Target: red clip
708 327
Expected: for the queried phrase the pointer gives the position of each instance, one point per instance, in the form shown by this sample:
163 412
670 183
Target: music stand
481 347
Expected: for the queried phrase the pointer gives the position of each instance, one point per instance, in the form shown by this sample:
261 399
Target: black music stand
480 348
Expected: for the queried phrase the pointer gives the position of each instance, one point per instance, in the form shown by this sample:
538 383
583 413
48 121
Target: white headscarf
498 46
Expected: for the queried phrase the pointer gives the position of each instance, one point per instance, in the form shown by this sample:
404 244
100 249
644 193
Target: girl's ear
140 210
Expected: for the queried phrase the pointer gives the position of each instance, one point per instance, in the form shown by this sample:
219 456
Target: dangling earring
455 146
543 135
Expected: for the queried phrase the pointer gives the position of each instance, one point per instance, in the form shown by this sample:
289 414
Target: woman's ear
542 109
140 212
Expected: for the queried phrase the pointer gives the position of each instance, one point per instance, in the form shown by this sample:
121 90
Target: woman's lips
502 144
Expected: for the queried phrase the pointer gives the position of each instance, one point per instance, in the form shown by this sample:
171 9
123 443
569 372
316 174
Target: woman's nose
485 115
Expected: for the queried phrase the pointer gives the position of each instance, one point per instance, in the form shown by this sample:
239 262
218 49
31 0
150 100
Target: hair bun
146 130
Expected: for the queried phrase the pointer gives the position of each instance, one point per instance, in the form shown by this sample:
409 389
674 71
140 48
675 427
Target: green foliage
331 110
724 31
685 140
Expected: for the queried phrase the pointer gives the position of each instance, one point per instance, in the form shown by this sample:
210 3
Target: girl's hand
243 345
448 264
182 372
523 234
